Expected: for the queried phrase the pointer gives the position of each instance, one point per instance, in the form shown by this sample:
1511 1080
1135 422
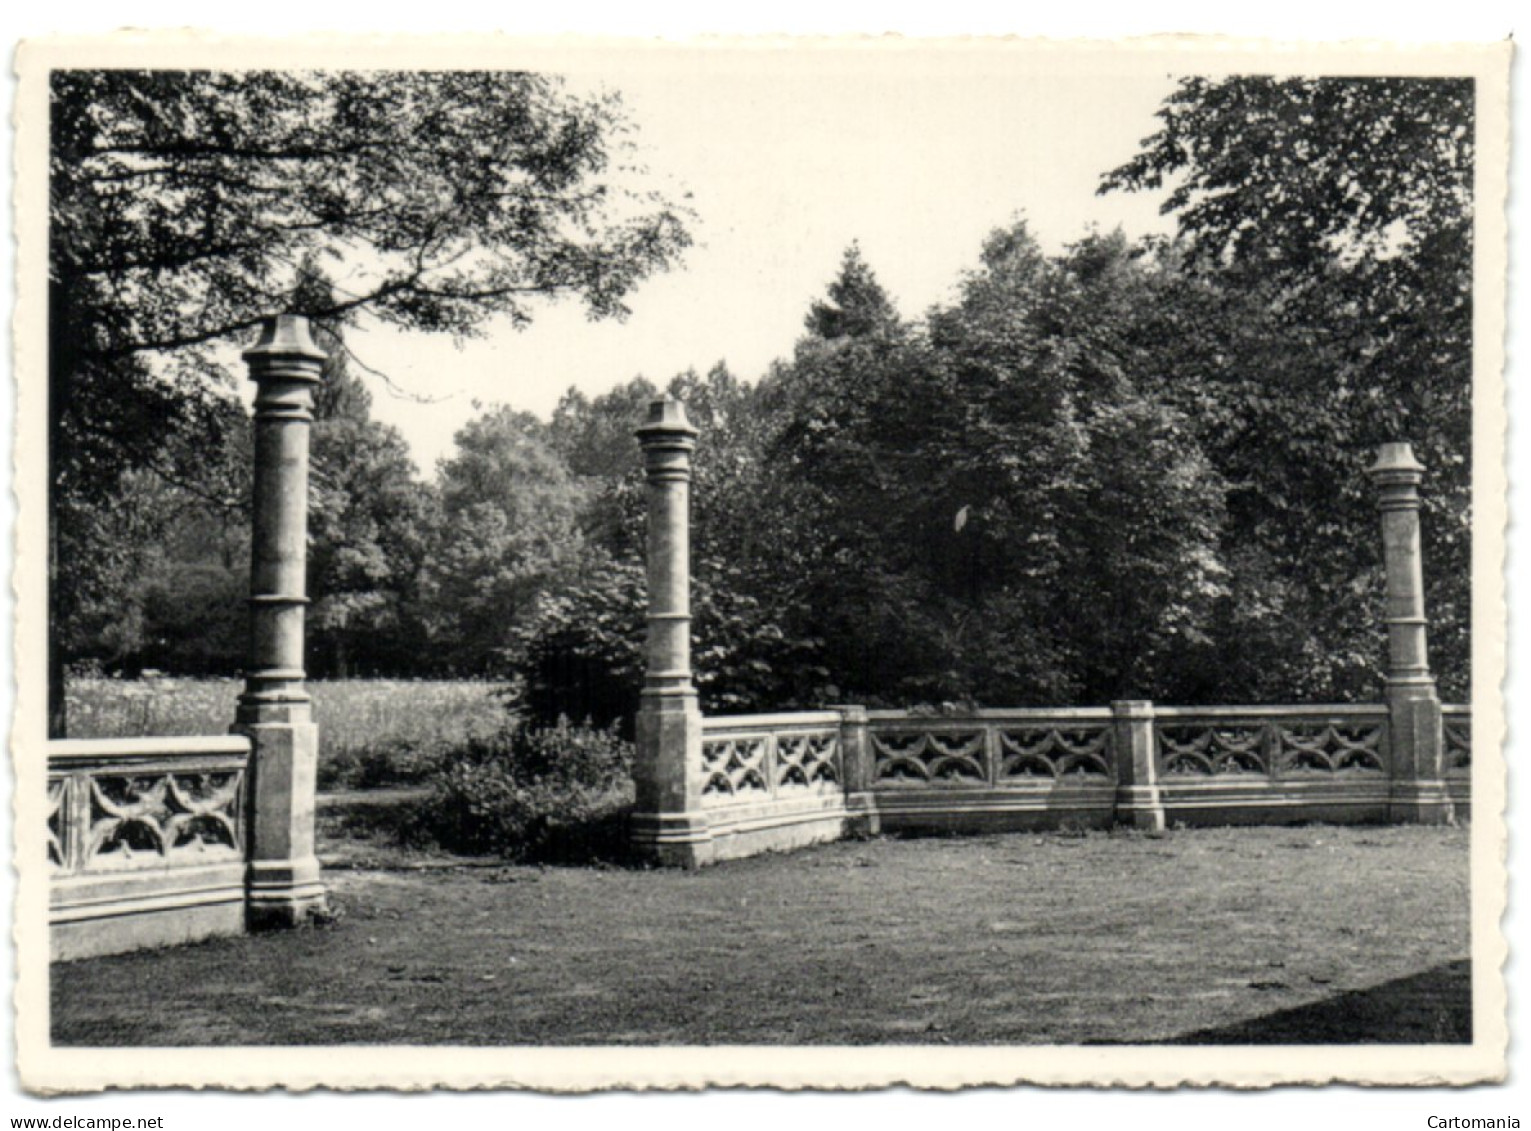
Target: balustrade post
856 766
1137 776
1418 790
855 747
274 711
668 825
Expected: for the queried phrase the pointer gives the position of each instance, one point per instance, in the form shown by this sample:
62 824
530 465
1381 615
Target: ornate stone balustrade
1457 756
1141 764
1457 727
1237 765
1270 742
992 769
992 748
146 841
763 782
710 788
749 758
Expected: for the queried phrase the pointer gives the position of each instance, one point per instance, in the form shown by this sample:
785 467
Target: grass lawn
1286 935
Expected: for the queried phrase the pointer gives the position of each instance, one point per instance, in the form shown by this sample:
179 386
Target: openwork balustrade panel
992 748
1283 742
749 758
1457 734
145 804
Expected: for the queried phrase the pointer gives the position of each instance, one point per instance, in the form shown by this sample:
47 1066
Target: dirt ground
1303 935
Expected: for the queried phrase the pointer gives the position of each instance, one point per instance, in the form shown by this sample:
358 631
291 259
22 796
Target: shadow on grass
397 817
1430 1008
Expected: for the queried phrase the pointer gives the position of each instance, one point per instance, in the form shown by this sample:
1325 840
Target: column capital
1132 708
284 338
1396 466
286 366
666 425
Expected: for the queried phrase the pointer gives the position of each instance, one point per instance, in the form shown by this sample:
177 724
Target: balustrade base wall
1330 802
92 916
1015 809
1022 810
745 830
1460 790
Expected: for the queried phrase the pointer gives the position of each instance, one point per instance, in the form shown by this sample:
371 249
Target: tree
595 436
1298 175
508 532
180 523
1002 512
583 645
185 204
1332 220
186 201
369 528
855 305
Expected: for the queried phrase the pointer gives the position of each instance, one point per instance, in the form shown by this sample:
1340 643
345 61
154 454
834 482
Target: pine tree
856 304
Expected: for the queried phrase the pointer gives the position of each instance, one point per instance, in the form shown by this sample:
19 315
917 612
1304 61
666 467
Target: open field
372 731
1308 934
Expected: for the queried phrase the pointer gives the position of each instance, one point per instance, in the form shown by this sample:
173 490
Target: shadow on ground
1430 1008
379 821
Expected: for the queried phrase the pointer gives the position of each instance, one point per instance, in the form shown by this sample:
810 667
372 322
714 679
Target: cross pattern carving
58 793
1458 734
929 756
1331 748
175 816
732 766
806 760
1213 750
1055 752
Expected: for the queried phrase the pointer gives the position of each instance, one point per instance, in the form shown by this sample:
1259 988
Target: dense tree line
186 205
1129 469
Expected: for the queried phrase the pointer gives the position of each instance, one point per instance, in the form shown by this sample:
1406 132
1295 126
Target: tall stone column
668 824
274 711
1418 792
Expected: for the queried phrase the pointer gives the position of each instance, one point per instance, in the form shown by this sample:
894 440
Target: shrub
559 792
387 761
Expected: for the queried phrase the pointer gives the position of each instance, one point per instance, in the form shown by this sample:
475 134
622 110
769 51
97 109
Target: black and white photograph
759 563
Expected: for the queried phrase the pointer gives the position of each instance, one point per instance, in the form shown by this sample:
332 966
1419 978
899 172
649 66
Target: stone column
1418 793
1137 774
668 824
274 711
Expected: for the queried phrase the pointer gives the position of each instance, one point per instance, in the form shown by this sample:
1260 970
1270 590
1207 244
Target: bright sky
788 160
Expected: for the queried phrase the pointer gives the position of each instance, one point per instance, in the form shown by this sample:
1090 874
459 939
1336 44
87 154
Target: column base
1140 807
284 893
671 840
1420 803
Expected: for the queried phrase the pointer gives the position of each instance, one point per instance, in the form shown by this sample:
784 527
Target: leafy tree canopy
1330 223
184 203
1288 173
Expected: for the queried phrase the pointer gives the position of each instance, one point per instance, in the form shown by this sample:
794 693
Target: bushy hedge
388 761
533 793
